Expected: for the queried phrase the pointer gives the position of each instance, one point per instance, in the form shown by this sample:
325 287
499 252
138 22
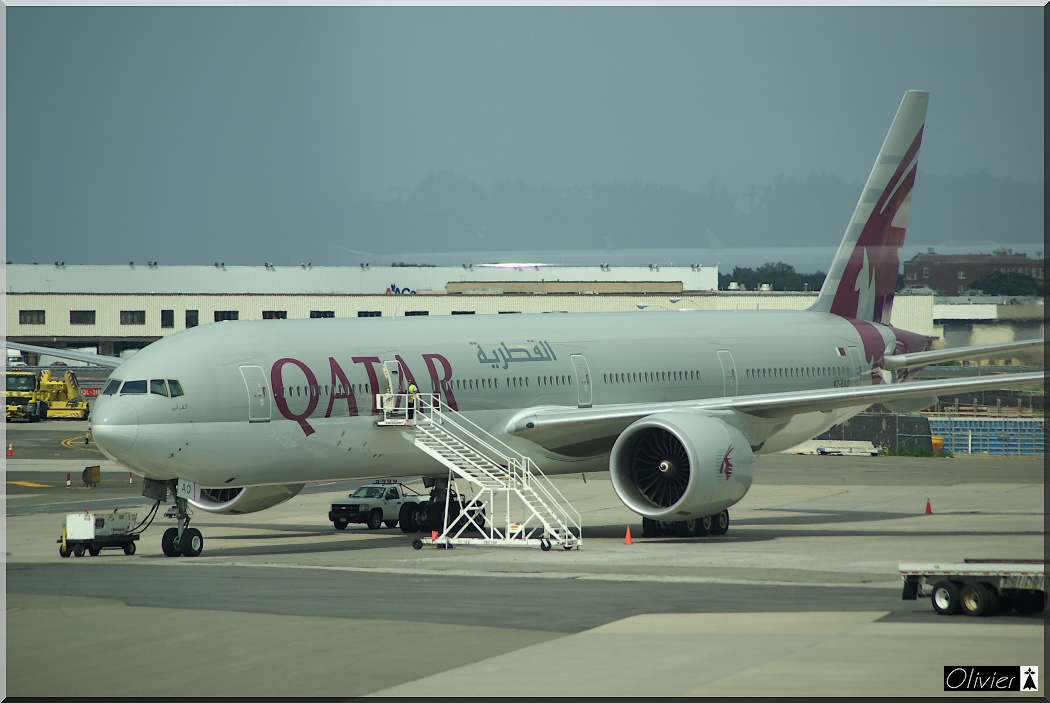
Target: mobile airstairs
523 507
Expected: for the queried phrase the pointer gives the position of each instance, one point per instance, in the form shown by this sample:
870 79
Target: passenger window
133 388
111 387
158 387
175 388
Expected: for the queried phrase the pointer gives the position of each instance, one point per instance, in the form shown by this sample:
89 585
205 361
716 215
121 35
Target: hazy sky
155 132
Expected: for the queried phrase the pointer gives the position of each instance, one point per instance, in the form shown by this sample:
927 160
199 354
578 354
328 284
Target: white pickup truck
376 504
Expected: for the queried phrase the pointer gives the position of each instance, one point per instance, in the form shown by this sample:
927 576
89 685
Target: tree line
783 277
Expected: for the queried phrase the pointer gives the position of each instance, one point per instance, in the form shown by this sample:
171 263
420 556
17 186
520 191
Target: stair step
488 474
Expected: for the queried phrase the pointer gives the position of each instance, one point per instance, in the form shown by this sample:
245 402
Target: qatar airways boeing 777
675 405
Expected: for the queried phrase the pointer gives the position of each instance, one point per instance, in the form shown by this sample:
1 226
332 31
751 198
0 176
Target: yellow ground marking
78 443
28 484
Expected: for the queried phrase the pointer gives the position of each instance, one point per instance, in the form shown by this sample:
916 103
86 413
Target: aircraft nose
115 426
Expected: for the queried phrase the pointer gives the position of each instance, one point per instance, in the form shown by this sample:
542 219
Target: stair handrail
519 467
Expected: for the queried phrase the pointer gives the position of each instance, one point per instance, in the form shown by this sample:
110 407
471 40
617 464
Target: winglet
863 276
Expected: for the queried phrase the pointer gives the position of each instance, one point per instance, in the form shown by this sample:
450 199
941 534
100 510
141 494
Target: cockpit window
175 387
111 386
133 388
158 387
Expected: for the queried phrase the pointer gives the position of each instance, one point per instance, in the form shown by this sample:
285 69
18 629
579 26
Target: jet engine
680 465
249 499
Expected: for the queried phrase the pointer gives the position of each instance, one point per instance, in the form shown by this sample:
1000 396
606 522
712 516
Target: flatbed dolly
978 586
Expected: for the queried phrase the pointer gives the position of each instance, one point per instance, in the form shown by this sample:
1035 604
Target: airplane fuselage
293 401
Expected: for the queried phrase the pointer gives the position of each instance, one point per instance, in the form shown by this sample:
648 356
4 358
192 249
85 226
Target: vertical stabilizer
863 277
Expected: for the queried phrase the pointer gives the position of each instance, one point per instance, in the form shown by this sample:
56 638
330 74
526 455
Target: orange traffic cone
929 508
628 540
10 448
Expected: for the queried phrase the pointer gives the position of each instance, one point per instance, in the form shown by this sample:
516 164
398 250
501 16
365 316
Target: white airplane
236 417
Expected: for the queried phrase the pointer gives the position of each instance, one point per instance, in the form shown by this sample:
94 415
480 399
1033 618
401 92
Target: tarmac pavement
801 598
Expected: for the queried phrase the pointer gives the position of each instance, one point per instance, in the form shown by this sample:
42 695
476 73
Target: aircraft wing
86 357
609 420
908 361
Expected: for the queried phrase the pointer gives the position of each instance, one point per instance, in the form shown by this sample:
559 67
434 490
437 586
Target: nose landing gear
183 540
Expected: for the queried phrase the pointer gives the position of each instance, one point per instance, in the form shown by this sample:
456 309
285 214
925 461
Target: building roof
997 258
321 280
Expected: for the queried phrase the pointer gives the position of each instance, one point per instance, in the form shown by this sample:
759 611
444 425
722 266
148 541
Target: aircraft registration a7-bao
239 416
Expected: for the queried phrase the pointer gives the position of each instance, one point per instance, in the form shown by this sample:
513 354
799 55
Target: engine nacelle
680 465
250 499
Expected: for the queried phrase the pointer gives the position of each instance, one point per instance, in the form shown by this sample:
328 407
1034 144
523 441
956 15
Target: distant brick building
950 274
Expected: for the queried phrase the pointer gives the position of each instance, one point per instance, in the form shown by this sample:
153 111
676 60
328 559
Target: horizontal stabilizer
984 351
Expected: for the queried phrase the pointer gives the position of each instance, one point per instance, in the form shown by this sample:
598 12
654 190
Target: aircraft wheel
650 528
705 525
192 543
406 518
699 527
167 542
720 523
977 599
945 598
375 519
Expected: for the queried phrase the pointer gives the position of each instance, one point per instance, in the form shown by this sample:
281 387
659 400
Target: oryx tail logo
727 465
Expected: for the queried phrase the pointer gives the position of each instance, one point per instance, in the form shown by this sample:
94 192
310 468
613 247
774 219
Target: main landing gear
183 540
716 525
430 516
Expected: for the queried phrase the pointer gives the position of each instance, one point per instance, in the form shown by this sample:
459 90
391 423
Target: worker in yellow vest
413 399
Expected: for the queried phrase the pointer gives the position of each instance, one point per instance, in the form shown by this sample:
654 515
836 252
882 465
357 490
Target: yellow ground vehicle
31 397
20 396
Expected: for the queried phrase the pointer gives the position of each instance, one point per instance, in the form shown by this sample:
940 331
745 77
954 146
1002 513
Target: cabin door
258 393
856 365
392 376
728 373
583 379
